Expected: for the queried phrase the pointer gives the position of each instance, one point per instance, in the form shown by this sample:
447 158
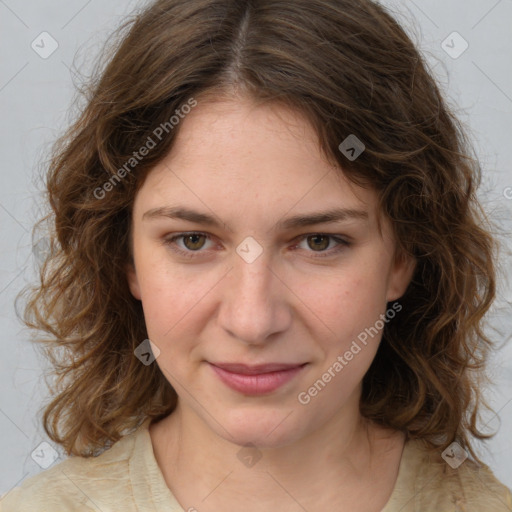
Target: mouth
256 379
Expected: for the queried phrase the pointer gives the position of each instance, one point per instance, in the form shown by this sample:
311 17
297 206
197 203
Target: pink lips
255 380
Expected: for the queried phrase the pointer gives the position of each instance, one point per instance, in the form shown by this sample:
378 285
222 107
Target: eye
192 242
321 243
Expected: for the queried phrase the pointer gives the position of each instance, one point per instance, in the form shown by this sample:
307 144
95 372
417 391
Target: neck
345 453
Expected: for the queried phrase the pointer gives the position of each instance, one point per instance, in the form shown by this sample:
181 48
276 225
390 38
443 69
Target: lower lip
258 384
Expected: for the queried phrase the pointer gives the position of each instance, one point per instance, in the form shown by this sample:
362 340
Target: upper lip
246 369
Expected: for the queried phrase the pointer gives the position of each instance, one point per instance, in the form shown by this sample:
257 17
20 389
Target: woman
276 195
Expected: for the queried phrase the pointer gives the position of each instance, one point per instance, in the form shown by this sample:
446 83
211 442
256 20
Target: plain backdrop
468 45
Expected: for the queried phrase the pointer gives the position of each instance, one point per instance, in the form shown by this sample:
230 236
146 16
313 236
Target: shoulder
431 484
77 484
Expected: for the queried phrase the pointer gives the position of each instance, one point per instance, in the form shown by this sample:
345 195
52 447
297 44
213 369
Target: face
260 269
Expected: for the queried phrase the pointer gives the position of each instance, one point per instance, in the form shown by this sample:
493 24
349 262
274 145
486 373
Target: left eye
320 242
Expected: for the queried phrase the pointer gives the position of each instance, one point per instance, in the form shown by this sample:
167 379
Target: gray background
35 98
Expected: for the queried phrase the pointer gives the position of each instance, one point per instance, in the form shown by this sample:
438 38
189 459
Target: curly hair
349 68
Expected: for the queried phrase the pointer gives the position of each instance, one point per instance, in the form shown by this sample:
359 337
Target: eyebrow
298 221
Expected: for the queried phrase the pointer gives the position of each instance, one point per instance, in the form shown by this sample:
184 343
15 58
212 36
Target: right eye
192 242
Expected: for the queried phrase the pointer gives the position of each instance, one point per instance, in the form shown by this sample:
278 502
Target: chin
266 429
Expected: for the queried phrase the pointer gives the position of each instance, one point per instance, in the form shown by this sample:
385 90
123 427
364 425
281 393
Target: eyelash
342 244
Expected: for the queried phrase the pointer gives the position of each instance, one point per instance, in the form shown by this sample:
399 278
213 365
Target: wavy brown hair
349 68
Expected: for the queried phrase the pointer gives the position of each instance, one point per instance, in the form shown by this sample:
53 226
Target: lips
245 369
256 379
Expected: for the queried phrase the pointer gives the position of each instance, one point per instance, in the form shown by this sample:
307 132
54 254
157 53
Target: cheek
168 297
346 303
174 314
170 306
350 308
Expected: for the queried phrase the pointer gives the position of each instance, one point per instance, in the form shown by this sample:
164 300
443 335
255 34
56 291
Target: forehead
238 135
237 158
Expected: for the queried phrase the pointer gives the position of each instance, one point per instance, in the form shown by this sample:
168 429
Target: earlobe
133 281
401 276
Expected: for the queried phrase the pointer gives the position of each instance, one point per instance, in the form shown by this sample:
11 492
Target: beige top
127 478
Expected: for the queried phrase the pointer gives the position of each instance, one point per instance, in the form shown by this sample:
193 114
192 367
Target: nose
254 301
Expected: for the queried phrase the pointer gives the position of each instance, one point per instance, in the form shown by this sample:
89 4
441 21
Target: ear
133 281
401 275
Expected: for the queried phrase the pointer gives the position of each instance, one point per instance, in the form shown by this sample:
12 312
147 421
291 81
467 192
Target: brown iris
194 243
318 238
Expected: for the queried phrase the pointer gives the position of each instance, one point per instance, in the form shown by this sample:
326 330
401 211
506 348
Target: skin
251 166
